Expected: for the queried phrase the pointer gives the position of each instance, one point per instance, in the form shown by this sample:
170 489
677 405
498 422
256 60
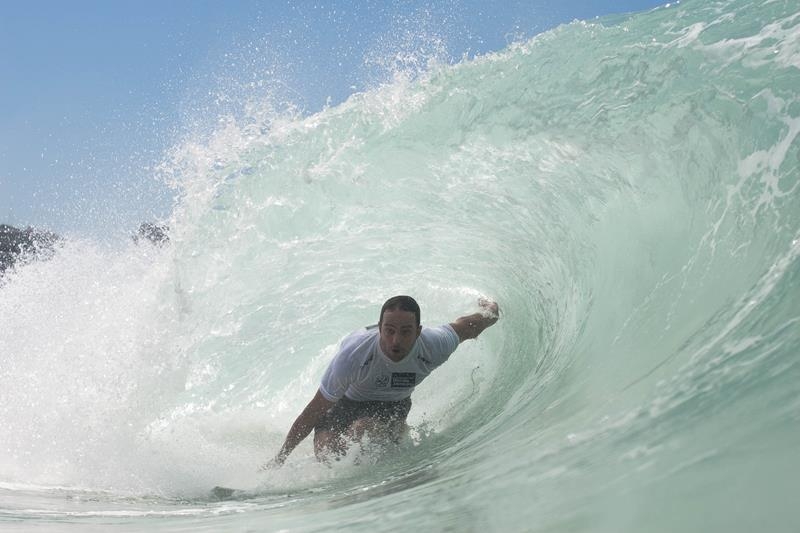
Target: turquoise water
626 189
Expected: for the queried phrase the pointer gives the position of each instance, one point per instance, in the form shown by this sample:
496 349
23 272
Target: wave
626 189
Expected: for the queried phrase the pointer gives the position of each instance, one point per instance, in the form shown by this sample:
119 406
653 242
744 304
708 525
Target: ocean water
626 189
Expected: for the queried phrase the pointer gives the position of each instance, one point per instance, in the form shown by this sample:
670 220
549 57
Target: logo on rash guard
382 381
404 380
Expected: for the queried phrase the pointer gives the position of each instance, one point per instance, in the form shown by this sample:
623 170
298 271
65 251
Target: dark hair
401 303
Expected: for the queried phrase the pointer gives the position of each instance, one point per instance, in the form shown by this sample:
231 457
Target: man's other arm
317 407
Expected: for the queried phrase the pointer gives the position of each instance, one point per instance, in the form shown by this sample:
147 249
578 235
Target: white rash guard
362 372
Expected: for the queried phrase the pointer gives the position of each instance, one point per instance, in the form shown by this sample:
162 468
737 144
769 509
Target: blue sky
94 92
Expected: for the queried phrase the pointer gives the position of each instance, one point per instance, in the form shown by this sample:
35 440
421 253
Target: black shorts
346 411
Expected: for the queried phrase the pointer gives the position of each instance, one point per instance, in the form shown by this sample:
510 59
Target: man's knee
377 428
327 442
362 425
366 425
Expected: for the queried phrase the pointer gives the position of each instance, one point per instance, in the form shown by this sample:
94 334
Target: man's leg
349 420
378 429
328 442
365 424
330 431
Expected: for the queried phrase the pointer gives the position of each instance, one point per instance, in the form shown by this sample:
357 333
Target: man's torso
362 372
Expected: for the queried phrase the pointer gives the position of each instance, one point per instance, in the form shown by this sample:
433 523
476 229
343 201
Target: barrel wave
626 189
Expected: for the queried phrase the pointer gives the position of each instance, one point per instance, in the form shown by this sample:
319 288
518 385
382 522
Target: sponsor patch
404 380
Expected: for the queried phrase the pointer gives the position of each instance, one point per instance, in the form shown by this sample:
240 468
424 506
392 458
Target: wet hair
401 303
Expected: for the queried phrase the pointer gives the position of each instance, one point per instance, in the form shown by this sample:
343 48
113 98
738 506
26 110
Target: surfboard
224 493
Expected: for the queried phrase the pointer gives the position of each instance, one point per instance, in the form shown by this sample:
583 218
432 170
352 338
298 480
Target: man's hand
469 327
489 308
273 464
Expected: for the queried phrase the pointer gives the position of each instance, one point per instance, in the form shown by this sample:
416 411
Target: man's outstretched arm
317 407
469 327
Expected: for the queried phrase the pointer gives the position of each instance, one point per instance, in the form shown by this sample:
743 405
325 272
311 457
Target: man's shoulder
441 340
362 333
358 340
445 331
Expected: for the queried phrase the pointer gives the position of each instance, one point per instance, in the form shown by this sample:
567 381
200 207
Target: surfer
367 387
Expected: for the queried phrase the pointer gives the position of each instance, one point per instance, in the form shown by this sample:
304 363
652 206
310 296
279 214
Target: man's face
399 332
